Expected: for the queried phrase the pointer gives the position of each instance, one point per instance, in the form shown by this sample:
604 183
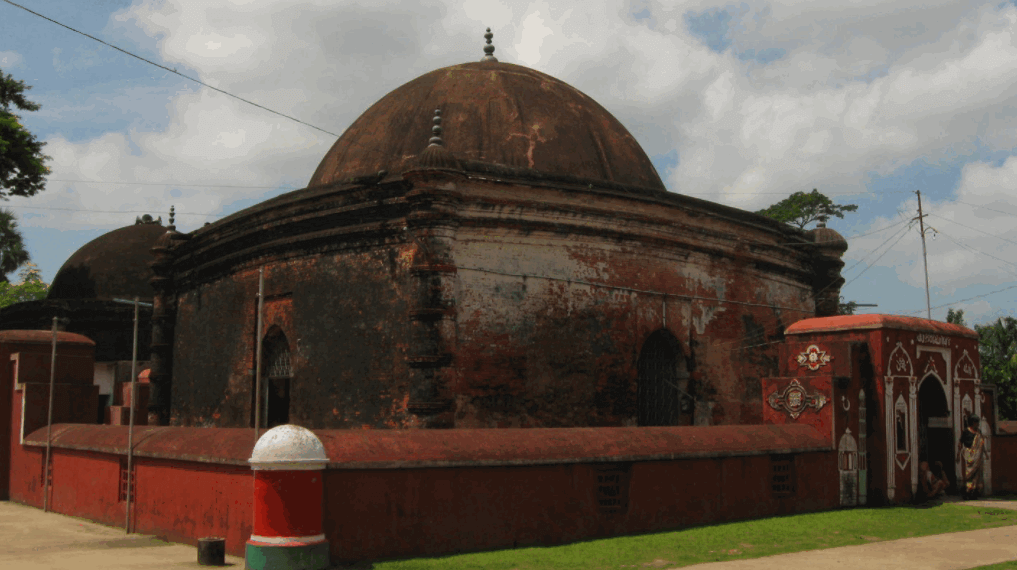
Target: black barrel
212 551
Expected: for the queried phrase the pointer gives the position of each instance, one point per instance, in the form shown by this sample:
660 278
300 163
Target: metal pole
130 423
925 258
49 419
257 357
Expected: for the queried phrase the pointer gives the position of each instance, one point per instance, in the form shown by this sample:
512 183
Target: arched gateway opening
663 394
276 373
935 432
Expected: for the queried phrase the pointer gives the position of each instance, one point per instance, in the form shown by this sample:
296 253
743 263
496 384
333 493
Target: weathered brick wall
344 316
455 300
552 318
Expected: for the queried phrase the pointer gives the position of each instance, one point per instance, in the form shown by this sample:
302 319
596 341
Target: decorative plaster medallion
965 368
794 399
813 357
931 367
899 363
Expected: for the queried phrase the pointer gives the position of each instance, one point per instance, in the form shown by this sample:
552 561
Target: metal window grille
659 398
613 489
278 359
783 481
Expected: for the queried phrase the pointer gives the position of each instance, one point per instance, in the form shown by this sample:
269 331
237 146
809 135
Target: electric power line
975 229
174 71
902 232
983 207
969 248
165 183
108 211
951 303
876 231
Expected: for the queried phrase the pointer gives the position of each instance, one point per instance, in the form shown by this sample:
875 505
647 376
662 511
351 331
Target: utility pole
925 257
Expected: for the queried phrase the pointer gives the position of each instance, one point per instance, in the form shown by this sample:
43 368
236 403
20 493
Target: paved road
34 540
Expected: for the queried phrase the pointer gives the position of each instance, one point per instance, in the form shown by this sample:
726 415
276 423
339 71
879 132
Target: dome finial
436 130
489 49
435 155
171 216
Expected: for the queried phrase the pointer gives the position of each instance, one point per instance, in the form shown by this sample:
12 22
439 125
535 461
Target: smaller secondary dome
114 265
288 447
829 238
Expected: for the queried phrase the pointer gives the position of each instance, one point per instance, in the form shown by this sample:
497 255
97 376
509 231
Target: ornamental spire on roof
436 130
435 155
489 49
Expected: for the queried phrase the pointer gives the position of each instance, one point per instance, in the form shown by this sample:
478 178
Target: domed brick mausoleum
91 294
486 246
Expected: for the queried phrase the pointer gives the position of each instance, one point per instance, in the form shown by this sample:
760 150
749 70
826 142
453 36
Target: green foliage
22 164
846 308
30 288
801 209
997 346
955 317
12 245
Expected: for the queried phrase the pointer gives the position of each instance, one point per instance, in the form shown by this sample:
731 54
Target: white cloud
970 240
11 59
861 88
531 38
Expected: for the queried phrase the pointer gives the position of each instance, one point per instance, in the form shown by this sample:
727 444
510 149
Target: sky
738 103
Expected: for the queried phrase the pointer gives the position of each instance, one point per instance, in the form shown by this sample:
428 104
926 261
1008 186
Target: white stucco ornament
813 357
288 447
794 399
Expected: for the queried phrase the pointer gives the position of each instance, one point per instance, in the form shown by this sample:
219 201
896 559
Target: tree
801 209
12 245
846 308
955 317
22 164
997 347
31 287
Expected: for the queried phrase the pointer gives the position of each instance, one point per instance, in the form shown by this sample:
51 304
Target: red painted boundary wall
188 483
486 489
411 493
1004 458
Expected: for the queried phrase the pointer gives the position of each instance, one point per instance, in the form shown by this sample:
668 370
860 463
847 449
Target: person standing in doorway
972 448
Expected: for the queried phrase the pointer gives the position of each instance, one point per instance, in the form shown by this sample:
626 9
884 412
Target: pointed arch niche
276 374
665 396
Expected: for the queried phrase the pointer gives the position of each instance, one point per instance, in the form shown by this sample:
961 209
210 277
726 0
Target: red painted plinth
287 503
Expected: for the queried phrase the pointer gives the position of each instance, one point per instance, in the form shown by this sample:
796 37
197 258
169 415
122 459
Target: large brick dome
492 112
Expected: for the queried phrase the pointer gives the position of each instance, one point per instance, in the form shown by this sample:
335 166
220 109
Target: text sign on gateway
934 339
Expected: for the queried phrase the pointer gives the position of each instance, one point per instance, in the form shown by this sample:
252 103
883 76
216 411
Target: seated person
933 481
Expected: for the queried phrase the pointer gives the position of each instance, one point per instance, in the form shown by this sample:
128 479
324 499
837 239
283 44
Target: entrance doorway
664 397
276 376
935 431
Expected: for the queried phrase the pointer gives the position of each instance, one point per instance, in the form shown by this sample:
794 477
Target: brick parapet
408 449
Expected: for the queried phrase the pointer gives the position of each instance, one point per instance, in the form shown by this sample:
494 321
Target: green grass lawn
730 541
1012 565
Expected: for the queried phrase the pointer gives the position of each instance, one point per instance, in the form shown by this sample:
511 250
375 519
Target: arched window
276 375
663 383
